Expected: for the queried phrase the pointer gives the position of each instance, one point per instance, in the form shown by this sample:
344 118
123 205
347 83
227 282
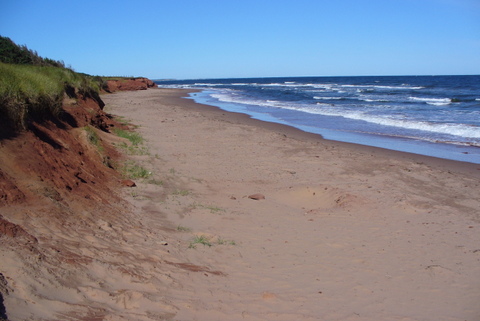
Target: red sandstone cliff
129 84
58 184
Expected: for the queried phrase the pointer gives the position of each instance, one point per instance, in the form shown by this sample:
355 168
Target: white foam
462 130
327 98
383 87
374 100
327 110
433 101
229 96
206 84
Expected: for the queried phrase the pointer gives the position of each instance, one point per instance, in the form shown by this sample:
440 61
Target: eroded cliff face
129 84
57 155
58 187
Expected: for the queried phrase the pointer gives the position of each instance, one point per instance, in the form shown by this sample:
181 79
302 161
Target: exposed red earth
54 182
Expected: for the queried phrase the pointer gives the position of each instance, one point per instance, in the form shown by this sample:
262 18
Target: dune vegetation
32 87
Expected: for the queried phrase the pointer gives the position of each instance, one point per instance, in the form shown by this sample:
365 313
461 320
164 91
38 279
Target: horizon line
269 77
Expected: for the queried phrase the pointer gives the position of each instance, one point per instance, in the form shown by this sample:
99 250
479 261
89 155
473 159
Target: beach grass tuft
93 138
133 170
181 192
199 239
181 228
133 137
157 182
221 241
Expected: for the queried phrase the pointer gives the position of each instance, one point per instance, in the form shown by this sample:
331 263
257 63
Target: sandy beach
238 219
344 232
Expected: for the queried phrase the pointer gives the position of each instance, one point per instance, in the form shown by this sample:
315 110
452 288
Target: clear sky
187 39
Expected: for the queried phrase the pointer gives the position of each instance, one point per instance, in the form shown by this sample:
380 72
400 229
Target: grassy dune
30 91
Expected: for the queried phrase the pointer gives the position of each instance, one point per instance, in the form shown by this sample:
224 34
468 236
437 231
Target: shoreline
242 118
397 114
344 231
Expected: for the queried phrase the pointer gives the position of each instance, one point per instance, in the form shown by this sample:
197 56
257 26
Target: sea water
429 115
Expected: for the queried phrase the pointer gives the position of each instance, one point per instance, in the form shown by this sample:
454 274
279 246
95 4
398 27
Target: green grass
200 239
154 181
214 209
133 170
221 241
93 138
133 149
181 192
205 241
181 228
122 120
133 137
29 91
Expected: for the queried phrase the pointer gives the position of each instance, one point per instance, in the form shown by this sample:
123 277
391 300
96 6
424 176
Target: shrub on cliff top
12 53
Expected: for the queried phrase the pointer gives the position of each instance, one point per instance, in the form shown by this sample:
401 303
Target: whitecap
461 130
433 101
327 98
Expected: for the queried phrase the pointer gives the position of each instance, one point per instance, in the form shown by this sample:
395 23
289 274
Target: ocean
429 115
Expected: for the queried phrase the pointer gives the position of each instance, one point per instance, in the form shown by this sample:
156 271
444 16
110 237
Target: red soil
55 160
129 84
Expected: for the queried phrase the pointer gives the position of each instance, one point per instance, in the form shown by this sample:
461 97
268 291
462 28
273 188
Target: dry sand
345 232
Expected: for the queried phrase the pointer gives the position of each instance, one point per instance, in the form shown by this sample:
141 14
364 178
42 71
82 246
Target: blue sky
188 39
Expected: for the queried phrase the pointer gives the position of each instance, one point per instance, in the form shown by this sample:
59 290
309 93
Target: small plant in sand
199 239
154 181
221 241
122 120
134 170
181 228
133 137
93 138
133 149
214 209
181 192
211 208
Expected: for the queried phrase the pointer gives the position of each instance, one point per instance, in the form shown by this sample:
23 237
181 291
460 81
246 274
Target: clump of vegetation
133 170
206 241
133 137
200 239
181 228
181 192
154 181
135 147
93 138
221 241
